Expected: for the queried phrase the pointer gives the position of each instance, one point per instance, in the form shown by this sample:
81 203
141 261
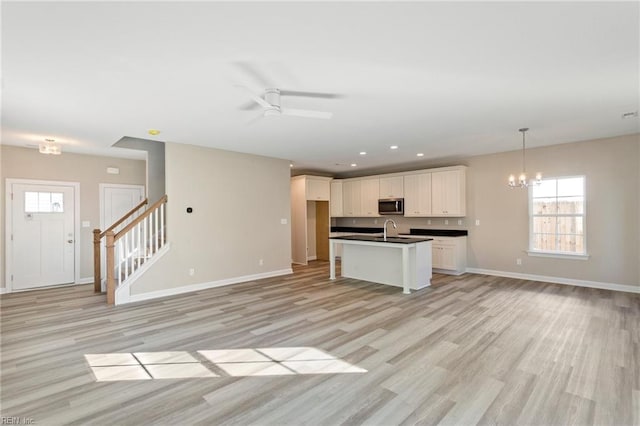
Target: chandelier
522 181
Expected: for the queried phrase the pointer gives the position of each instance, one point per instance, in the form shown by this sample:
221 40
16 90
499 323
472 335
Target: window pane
31 202
545 206
544 242
44 202
544 225
571 243
546 189
571 205
571 186
57 202
570 225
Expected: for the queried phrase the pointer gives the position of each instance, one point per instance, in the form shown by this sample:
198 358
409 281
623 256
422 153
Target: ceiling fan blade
249 106
306 113
252 71
255 97
310 94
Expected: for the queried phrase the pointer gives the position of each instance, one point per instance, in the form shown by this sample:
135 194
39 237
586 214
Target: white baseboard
557 280
87 280
3 290
207 285
312 258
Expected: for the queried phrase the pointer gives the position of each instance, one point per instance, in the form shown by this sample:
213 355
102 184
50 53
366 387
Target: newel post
111 265
97 273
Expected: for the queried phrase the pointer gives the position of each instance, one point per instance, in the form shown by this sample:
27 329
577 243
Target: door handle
70 241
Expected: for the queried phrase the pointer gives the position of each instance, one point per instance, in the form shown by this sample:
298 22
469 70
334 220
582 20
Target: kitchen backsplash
403 223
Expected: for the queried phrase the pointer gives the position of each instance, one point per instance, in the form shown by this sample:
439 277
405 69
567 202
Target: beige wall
611 167
238 201
89 171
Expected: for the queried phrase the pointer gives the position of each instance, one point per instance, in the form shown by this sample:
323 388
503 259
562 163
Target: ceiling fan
270 103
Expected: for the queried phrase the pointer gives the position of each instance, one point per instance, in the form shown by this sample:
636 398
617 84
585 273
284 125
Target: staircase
131 243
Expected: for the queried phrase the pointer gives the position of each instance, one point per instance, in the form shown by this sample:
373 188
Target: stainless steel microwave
391 206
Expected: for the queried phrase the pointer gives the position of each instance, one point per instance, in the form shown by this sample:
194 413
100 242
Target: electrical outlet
375 221
261 262
459 221
428 221
354 221
477 222
283 221
446 221
192 271
518 261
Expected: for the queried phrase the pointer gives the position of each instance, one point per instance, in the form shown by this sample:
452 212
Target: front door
42 236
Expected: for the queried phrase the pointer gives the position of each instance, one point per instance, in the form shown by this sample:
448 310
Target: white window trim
559 254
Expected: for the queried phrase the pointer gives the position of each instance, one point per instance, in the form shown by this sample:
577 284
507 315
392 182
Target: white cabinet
317 188
417 195
336 204
369 190
448 193
391 187
360 197
351 198
449 255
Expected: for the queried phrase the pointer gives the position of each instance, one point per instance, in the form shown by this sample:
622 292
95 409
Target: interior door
116 201
42 235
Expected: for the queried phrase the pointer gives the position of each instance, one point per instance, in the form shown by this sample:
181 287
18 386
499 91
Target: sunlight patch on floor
216 363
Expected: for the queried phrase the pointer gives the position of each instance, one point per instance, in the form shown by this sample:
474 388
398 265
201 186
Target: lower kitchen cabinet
449 255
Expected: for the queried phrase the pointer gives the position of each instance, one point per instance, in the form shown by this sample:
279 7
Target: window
43 202
557 217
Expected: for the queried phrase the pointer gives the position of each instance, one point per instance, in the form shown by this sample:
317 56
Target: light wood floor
472 349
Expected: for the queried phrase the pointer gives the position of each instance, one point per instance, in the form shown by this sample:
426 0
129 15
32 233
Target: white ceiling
446 79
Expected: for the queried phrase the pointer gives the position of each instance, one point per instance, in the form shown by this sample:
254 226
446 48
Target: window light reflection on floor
225 362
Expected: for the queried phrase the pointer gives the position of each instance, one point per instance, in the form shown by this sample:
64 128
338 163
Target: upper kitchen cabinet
417 198
370 192
448 192
336 204
351 196
317 188
391 187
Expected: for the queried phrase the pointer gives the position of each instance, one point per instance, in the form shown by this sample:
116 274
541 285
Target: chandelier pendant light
522 181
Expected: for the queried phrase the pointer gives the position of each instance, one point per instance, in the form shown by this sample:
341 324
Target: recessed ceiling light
393 147
420 154
154 132
290 164
353 164
363 153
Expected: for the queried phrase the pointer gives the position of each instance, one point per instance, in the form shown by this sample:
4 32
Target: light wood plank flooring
469 350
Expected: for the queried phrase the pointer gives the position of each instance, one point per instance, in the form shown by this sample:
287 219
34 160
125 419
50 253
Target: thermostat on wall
113 170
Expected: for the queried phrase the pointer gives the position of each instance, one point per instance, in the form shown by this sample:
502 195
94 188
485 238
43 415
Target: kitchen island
398 261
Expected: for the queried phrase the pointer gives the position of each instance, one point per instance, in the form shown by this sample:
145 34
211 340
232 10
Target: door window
43 202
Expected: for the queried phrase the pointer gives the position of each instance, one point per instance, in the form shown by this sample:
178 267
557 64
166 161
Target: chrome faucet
385 227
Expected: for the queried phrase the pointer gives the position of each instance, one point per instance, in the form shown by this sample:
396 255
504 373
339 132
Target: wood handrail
125 217
140 218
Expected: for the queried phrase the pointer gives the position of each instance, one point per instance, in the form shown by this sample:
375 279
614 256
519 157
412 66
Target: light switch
86 224
283 221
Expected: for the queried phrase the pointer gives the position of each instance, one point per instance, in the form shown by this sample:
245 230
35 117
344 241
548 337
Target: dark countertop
439 232
393 240
356 229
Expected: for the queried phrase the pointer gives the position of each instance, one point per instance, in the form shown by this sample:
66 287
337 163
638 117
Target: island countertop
378 239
